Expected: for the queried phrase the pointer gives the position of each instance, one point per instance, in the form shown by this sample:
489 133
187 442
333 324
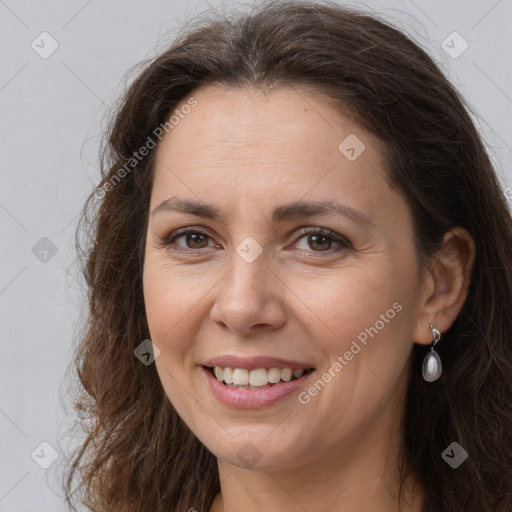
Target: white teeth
228 375
240 377
286 374
274 375
299 372
259 378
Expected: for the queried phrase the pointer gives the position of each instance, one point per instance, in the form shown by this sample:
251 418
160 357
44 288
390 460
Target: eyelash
341 241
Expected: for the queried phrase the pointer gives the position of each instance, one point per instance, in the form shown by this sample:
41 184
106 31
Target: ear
446 284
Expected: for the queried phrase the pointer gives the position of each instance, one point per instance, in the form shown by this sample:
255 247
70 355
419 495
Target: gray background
52 115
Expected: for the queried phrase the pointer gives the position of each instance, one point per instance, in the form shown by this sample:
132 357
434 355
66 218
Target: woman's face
299 256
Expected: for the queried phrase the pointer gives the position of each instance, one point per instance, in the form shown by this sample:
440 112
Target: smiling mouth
259 378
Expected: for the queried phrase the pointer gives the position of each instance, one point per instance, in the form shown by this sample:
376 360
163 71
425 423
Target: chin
251 450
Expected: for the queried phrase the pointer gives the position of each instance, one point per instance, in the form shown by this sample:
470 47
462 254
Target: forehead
287 130
239 145
243 120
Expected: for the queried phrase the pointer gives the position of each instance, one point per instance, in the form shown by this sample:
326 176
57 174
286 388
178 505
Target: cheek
369 329
170 312
172 300
350 300
367 321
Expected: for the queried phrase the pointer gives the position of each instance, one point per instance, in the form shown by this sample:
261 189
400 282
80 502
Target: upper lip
251 363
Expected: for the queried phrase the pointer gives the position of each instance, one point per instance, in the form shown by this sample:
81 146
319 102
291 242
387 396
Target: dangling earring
432 367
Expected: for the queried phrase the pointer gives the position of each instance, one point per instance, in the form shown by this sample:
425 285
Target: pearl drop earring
432 367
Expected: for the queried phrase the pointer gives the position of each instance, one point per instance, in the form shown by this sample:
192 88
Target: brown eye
319 242
322 240
194 239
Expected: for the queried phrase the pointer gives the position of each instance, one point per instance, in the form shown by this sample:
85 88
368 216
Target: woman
299 280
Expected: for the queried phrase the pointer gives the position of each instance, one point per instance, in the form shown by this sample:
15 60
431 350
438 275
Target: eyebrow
298 209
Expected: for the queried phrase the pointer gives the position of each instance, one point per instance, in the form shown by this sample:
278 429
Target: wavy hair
138 455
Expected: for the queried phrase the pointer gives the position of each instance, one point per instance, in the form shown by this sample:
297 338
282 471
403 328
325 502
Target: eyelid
339 239
169 239
335 237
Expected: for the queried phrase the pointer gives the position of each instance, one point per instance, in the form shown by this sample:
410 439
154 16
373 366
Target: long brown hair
138 454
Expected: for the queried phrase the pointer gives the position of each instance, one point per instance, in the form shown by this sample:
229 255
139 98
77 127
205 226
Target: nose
250 298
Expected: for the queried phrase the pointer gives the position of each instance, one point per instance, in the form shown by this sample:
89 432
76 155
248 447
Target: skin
302 299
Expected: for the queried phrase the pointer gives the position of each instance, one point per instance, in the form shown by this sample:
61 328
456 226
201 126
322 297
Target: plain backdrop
53 108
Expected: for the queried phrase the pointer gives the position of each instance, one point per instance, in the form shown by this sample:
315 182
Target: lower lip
253 398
